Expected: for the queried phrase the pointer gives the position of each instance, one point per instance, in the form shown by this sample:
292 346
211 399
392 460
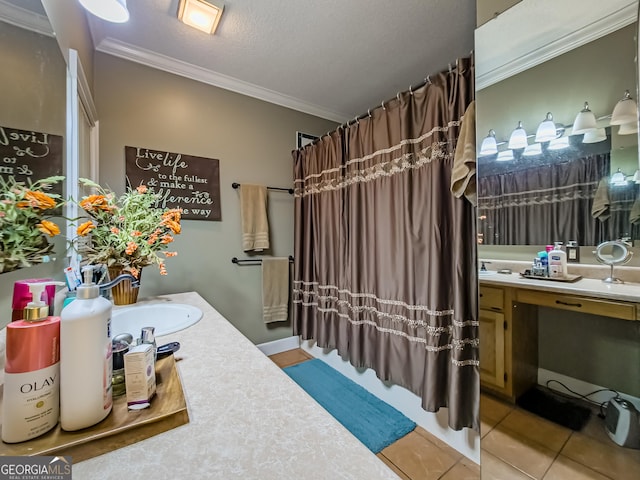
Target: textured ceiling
332 58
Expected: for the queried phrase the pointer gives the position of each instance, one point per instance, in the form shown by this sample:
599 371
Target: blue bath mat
374 422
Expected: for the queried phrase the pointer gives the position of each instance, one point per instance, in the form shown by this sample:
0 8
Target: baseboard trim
278 346
580 387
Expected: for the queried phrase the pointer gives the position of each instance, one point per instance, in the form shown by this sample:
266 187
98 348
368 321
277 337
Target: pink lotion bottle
31 402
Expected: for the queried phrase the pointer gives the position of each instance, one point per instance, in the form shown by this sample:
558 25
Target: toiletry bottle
544 263
558 262
573 252
85 358
31 400
22 295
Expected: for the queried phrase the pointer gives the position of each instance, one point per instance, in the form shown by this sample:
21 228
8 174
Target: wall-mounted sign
183 181
30 156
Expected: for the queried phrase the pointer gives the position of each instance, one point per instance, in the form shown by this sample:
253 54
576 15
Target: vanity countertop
247 419
588 287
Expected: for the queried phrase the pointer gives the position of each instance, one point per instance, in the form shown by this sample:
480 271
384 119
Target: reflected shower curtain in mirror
385 268
544 204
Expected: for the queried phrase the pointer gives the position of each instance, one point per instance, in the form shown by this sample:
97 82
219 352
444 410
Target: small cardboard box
140 376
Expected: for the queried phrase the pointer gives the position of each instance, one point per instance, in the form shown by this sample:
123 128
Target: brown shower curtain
385 268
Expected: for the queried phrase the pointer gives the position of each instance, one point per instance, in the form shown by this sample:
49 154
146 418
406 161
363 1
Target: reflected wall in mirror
558 188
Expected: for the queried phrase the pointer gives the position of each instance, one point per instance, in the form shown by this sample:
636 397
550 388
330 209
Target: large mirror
32 115
577 181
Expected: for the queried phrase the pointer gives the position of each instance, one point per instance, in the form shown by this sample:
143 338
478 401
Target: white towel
275 289
253 213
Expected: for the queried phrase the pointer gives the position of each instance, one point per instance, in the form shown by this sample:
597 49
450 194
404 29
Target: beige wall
142 107
69 21
33 86
488 9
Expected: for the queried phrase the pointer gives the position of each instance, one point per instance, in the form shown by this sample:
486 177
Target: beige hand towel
275 289
253 212
634 217
600 209
463 180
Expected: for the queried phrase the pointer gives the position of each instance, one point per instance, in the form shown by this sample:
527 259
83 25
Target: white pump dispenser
558 262
85 358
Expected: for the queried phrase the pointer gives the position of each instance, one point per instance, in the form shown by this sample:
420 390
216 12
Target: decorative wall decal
30 156
183 181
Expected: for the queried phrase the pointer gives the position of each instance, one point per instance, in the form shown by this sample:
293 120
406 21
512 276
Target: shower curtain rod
410 90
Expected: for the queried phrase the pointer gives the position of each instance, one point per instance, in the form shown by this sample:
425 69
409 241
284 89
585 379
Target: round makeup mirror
613 253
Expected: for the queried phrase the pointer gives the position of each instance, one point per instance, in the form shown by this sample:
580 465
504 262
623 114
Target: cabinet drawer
492 298
607 308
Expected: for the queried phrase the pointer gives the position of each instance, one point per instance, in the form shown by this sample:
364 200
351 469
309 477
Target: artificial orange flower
134 271
170 254
115 230
136 233
141 188
163 269
131 247
85 228
166 239
95 202
48 228
40 200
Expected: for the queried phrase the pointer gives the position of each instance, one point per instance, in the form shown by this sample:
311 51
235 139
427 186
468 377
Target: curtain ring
383 105
398 96
428 79
410 90
369 112
356 120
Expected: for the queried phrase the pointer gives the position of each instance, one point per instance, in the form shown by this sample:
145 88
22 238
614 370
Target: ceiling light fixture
201 15
110 10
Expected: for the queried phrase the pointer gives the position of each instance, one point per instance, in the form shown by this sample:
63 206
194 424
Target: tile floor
515 445
416 456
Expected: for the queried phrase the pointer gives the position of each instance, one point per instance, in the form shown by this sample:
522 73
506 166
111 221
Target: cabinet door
492 348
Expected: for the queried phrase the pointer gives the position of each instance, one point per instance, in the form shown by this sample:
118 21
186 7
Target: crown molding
527 52
24 18
178 67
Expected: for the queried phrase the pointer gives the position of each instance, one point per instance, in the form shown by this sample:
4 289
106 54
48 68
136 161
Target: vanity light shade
505 156
110 10
595 135
546 130
618 178
489 145
532 150
628 128
201 15
636 176
559 143
518 138
625 111
585 121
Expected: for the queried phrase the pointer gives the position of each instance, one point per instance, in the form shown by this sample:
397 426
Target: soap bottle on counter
558 262
31 401
85 358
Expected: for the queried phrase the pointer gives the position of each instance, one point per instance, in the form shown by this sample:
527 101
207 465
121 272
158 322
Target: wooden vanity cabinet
508 343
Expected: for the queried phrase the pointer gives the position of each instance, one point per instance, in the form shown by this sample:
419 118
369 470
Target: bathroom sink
165 317
486 273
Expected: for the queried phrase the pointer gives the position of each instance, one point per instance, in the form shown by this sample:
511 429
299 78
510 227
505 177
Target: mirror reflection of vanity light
518 138
618 179
489 144
585 120
625 111
546 130
628 128
595 135
505 156
559 143
532 150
